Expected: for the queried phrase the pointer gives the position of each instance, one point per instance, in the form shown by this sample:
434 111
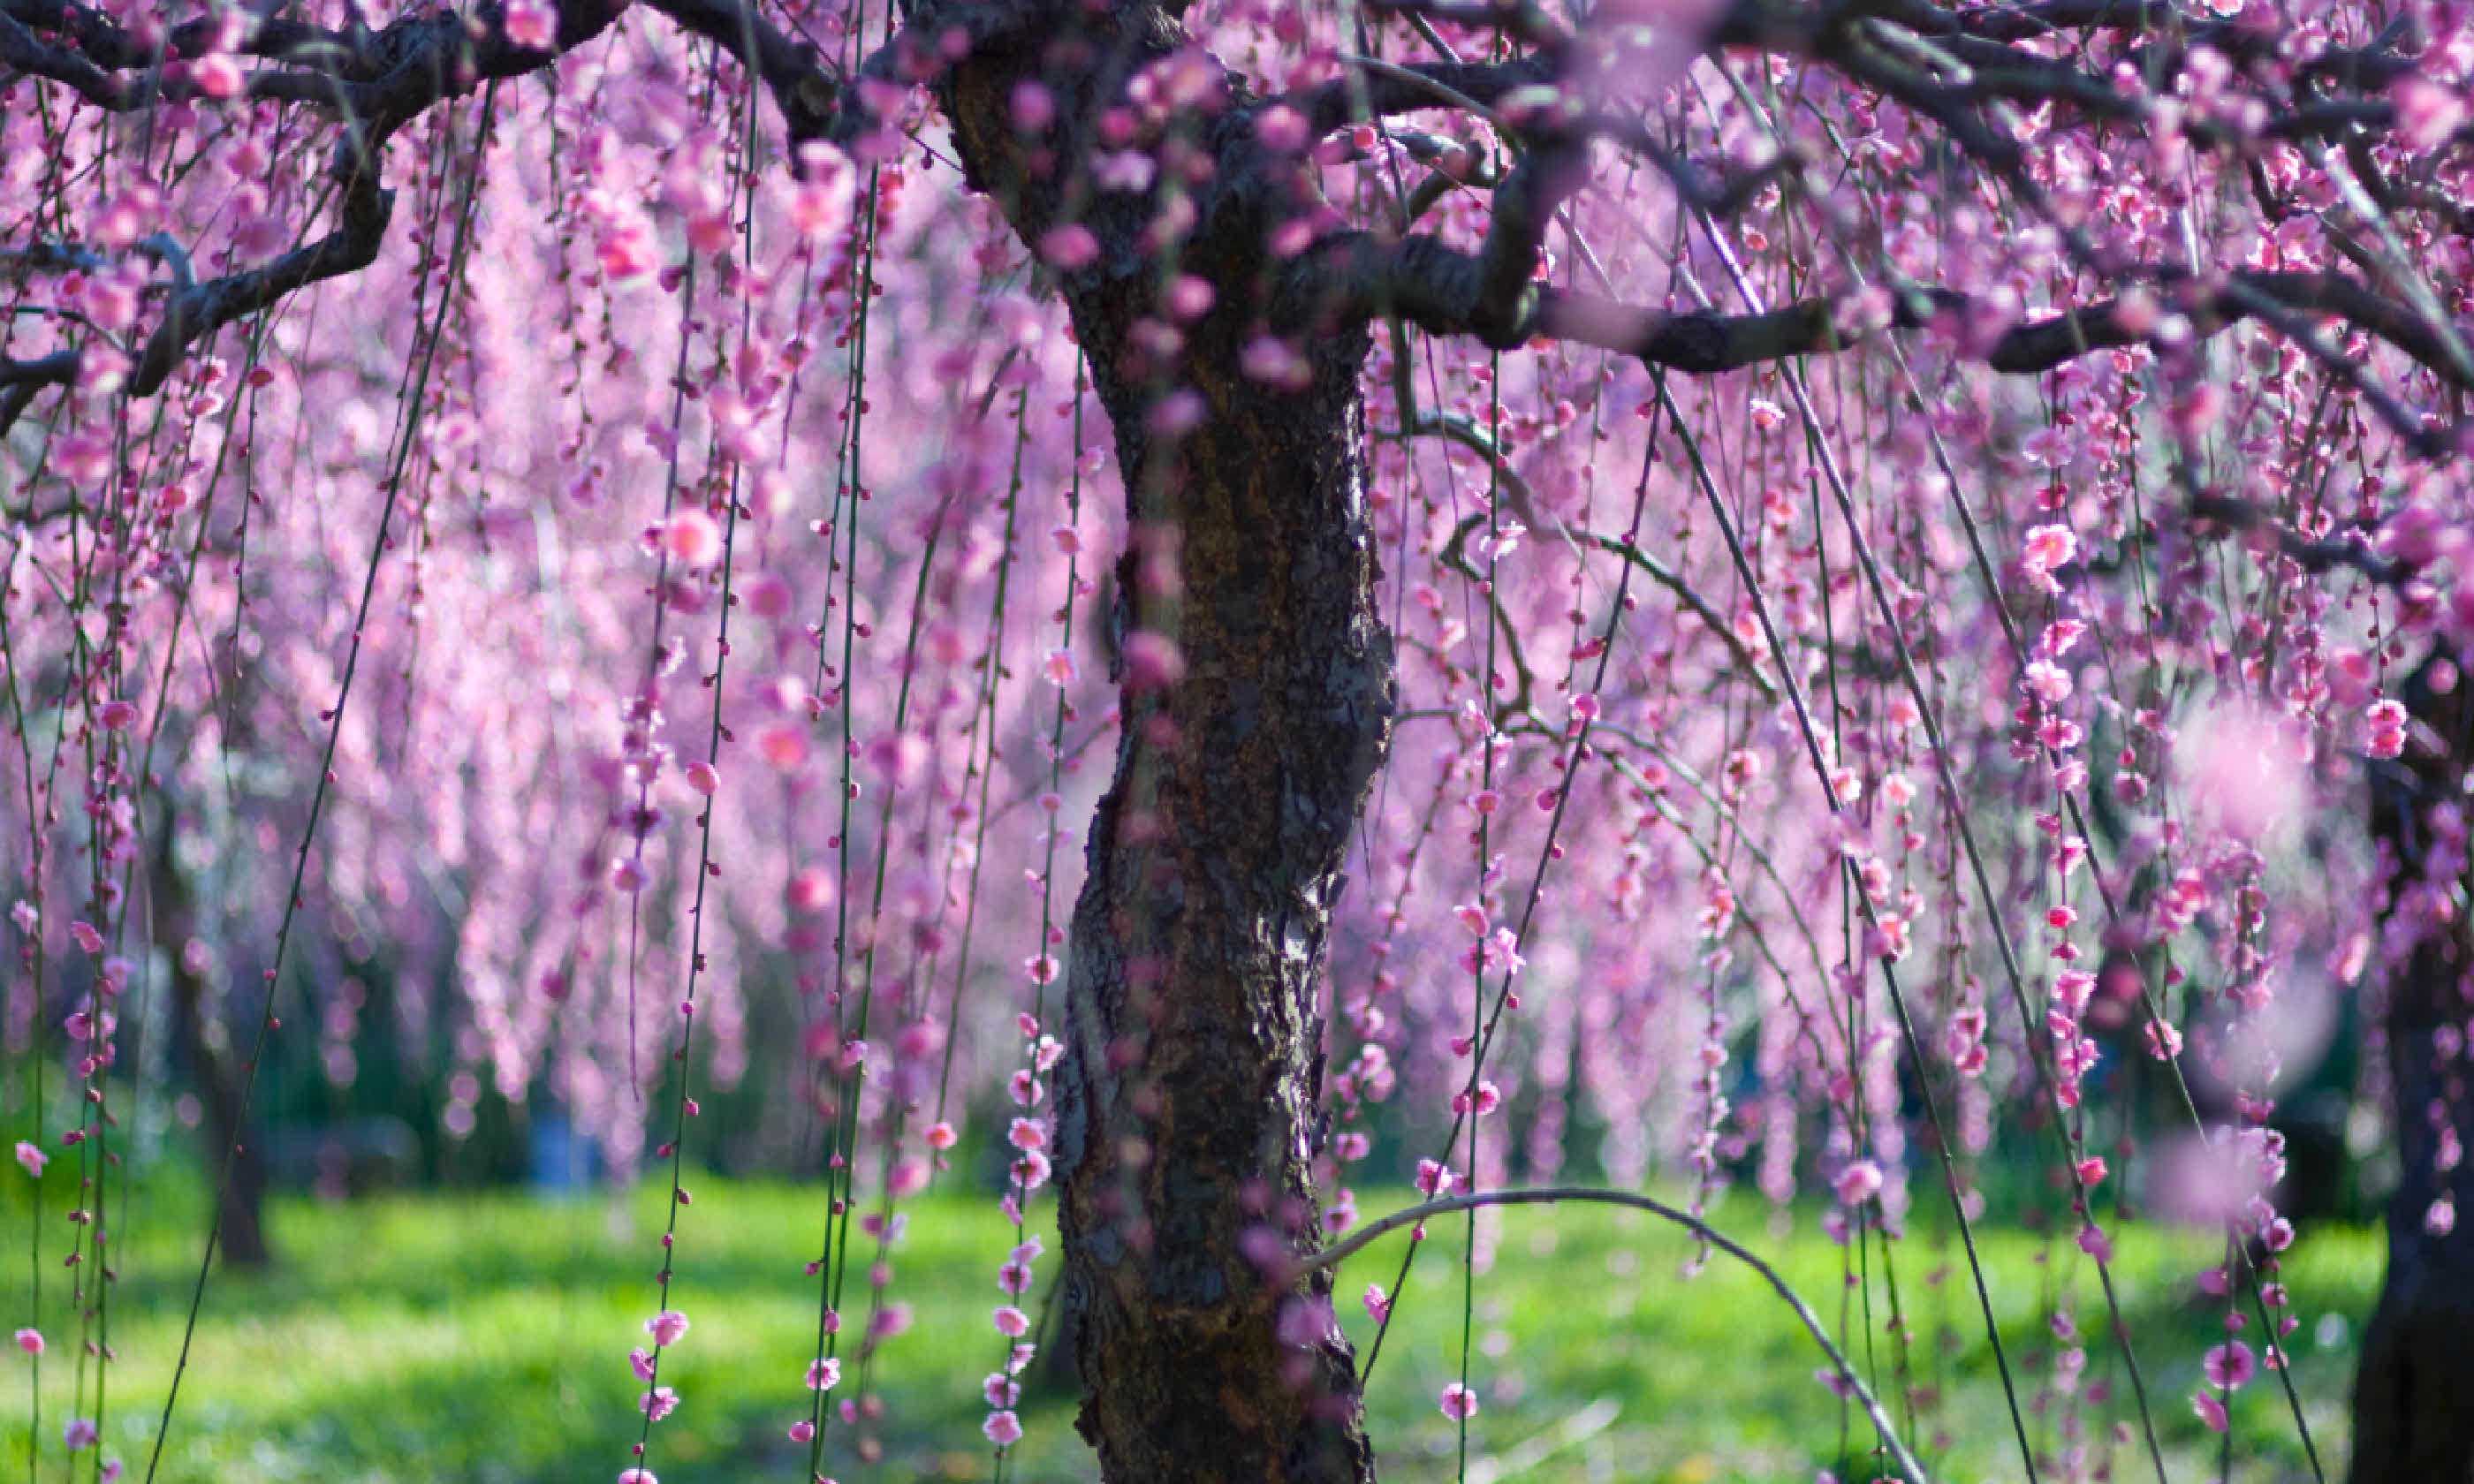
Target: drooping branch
376 82
1523 502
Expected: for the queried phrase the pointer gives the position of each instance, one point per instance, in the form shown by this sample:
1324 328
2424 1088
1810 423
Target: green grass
485 1338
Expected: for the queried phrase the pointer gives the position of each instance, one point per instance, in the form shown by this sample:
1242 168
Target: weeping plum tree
1816 588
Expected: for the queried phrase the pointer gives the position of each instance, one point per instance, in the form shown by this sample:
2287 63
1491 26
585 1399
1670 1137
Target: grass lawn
458 1337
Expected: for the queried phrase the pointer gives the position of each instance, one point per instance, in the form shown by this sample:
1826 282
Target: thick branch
378 79
1371 92
2312 556
53 370
20 380
198 311
1444 290
809 97
1517 20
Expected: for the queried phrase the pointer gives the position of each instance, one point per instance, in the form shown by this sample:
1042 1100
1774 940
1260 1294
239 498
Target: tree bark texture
1186 1097
2413 1424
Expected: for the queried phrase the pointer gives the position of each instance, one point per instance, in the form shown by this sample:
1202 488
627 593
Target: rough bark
1186 1098
2412 1424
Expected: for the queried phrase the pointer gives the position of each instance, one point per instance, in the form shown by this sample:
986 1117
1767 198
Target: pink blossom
79 1433
1003 1428
2387 719
86 937
2211 1411
1340 1214
2228 1366
1069 248
2047 682
1180 413
1458 1401
32 1159
1011 1320
1189 298
658 1403
1034 107
693 538
637 1476
2427 112
908 1178
532 23
1281 129
802 1431
641 1361
812 889
216 75
666 1328
628 252
31 1341
1859 1181
2047 550
1276 363
824 1374
83 459
1484 1101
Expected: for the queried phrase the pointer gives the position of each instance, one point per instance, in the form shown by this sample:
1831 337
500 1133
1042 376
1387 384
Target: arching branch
1549 1195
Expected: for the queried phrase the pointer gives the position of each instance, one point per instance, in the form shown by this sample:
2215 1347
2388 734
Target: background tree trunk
1186 1098
2411 1421
213 1069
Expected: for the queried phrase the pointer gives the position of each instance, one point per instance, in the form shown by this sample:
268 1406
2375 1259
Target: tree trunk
1186 1097
2411 1423
215 1072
